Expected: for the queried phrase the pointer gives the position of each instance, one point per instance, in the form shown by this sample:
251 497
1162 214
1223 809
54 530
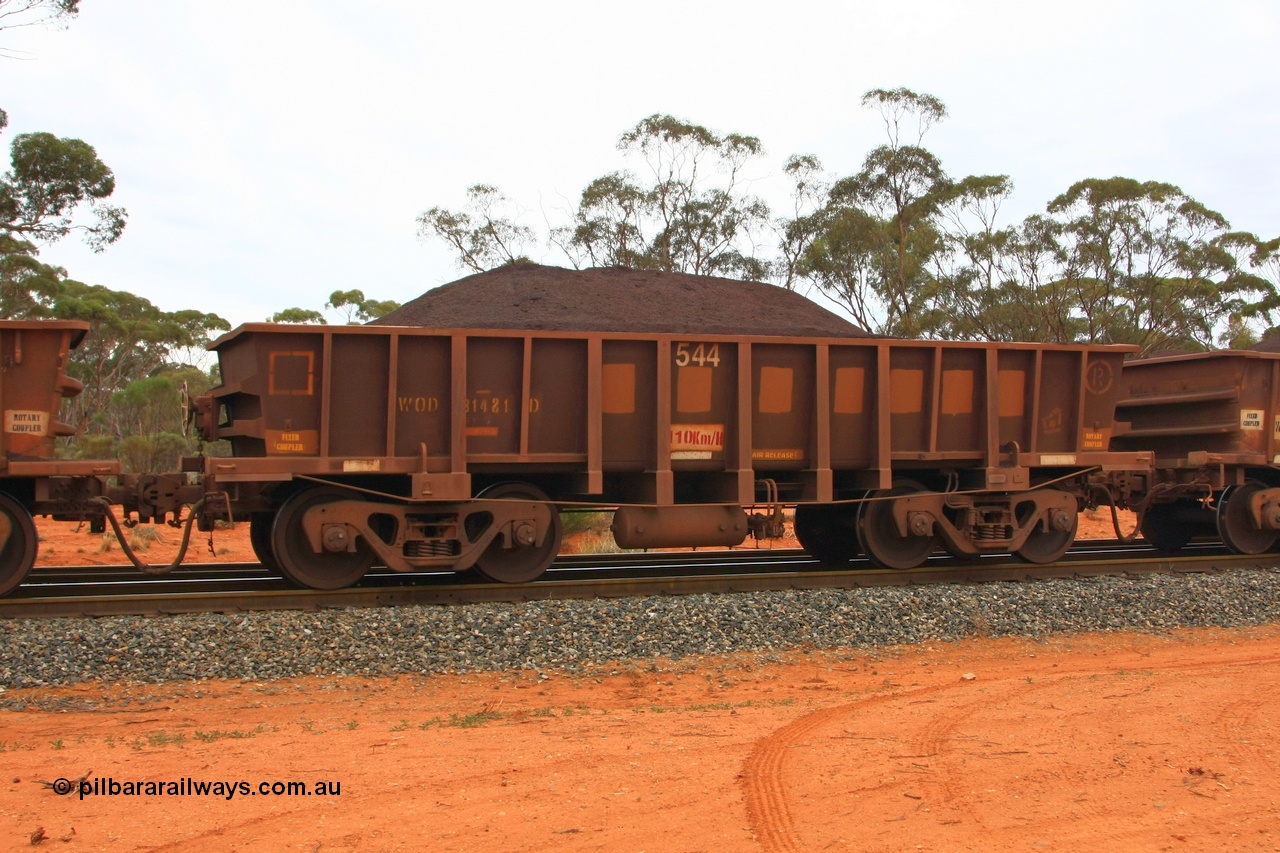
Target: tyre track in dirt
763 778
937 741
764 787
1237 719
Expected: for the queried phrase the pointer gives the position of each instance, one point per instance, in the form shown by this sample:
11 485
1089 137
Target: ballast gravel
589 635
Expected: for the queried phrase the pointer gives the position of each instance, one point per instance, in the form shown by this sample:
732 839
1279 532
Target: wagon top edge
413 331
80 327
1201 356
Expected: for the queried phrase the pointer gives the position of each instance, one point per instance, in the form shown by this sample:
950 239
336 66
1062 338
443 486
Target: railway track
239 587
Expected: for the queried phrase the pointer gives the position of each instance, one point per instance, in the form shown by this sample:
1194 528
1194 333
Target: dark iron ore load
1270 342
540 298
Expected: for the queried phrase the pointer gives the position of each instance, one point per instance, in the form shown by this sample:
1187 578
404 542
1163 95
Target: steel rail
590 576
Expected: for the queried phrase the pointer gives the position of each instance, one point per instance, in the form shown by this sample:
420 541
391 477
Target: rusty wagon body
1212 422
34 382
423 448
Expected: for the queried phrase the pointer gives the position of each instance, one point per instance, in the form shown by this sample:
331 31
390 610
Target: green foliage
609 224
137 358
99 446
142 424
297 315
879 232
1261 269
221 734
51 182
797 234
129 339
909 251
679 219
352 303
357 308
688 214
482 237
898 105
26 284
850 258
581 522
905 248
1143 264
1239 335
51 179
148 414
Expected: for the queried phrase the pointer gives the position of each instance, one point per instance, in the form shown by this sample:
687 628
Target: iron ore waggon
422 448
1212 421
34 356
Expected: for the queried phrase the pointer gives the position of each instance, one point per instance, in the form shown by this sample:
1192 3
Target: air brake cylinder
679 526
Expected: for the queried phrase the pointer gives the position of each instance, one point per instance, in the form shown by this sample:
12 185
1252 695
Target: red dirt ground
1100 742
1088 742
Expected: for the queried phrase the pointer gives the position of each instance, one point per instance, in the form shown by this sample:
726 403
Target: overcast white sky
270 152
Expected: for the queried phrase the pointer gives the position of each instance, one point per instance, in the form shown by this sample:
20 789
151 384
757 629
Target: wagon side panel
34 381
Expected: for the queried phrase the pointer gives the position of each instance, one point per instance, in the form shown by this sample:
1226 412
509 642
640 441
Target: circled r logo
1099 376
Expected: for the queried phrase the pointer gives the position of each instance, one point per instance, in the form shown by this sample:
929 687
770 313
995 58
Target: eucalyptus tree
353 305
1258 263
850 259
900 181
129 339
798 232
1144 263
51 180
609 224
44 195
481 234
882 222
54 187
979 286
688 213
356 308
298 315
147 426
26 283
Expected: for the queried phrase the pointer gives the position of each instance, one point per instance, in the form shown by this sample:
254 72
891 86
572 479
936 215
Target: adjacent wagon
1212 421
34 382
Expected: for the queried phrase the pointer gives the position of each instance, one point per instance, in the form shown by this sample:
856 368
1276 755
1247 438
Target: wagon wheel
828 531
1163 529
19 552
878 534
1047 546
298 562
520 563
260 524
1236 526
